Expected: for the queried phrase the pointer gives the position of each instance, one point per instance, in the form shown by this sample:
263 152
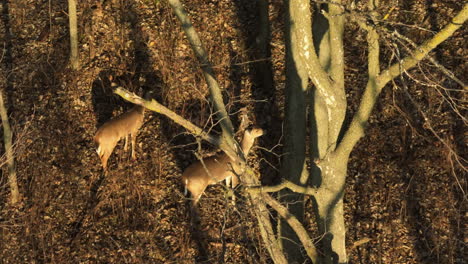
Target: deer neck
140 109
247 143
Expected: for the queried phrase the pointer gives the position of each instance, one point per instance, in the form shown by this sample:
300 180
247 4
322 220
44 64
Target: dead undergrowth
406 192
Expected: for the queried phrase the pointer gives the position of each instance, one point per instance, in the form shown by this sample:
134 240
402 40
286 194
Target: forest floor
405 195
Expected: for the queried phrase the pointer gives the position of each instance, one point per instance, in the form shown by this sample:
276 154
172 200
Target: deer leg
196 199
133 137
235 181
228 181
105 152
126 143
196 194
231 183
104 158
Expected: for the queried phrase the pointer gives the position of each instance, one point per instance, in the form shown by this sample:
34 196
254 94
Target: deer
110 133
217 168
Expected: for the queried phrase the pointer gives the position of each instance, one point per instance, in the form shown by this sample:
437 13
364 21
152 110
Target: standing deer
217 168
112 131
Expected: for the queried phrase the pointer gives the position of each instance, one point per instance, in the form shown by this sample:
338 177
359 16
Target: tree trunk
329 210
293 165
329 204
8 137
74 60
263 47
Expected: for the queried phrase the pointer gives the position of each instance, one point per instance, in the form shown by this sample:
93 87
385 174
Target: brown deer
217 168
115 129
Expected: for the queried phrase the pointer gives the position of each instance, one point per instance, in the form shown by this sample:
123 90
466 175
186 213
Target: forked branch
310 59
420 52
295 224
376 83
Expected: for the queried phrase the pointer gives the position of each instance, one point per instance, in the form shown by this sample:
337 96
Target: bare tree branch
285 184
200 53
446 71
161 109
296 226
393 33
259 207
420 52
228 144
375 86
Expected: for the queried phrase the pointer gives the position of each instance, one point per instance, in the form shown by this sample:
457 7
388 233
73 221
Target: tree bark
262 41
8 138
293 167
294 223
72 18
328 109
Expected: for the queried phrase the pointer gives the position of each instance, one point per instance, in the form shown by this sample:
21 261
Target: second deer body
215 169
109 134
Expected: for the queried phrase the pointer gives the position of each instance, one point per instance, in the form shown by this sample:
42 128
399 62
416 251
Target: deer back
217 166
117 128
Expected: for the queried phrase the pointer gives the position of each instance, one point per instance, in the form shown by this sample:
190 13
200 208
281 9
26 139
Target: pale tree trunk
325 135
7 79
8 138
74 60
293 167
328 109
